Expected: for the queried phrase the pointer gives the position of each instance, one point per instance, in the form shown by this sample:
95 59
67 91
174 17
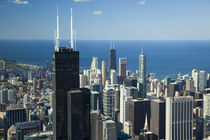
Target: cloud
20 2
142 2
81 0
97 12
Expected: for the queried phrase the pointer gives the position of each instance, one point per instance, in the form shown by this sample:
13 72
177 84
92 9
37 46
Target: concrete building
109 102
109 130
206 113
179 118
202 80
195 76
104 73
96 125
122 67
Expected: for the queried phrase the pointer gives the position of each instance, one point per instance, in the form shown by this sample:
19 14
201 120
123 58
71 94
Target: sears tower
65 67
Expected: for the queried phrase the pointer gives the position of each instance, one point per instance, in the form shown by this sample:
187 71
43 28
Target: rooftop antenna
72 35
57 36
54 37
113 45
142 47
75 36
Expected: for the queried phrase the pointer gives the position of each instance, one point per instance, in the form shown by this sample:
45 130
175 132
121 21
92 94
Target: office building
94 64
82 80
142 75
109 130
4 96
190 84
109 102
206 113
173 87
202 80
95 100
103 73
113 77
179 118
138 109
157 125
14 114
96 125
122 67
112 59
18 130
195 76
78 114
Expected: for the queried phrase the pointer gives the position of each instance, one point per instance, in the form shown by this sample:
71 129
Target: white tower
57 33
72 32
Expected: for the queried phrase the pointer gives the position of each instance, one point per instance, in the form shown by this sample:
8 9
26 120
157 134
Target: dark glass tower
112 59
65 67
78 101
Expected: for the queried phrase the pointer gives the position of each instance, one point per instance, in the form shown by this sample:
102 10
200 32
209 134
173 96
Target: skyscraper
206 113
179 118
78 114
103 73
208 81
195 77
201 80
65 69
96 125
94 64
122 67
109 130
65 77
112 59
142 75
157 125
109 102
138 109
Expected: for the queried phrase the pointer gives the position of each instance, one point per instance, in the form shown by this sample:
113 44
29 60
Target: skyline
98 20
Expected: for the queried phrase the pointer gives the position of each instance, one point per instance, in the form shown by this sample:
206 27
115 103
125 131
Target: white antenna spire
72 34
75 37
57 36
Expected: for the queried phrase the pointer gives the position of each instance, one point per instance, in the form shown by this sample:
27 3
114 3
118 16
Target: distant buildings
109 102
104 73
202 80
179 118
122 67
195 76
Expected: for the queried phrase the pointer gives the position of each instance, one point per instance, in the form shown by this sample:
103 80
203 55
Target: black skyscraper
65 66
112 59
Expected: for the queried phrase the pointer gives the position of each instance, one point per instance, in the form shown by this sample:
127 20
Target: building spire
72 32
142 48
57 32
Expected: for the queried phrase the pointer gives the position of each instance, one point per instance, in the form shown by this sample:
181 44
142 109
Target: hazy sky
107 19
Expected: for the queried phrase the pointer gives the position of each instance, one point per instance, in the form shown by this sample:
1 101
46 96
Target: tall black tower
65 67
112 59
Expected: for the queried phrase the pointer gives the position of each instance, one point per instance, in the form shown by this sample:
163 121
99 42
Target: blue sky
107 19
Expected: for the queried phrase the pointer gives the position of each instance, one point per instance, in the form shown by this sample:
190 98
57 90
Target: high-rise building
14 114
95 100
65 68
82 81
142 75
4 96
157 125
78 114
113 77
206 113
125 97
173 87
109 102
122 67
179 118
96 125
190 84
112 59
103 73
109 130
195 76
208 81
94 64
18 130
201 80
138 109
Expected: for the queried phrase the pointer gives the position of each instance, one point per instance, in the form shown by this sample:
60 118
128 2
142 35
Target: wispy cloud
21 2
143 2
97 12
81 0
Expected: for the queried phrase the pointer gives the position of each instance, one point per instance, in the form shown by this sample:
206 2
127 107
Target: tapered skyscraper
142 75
112 59
103 73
